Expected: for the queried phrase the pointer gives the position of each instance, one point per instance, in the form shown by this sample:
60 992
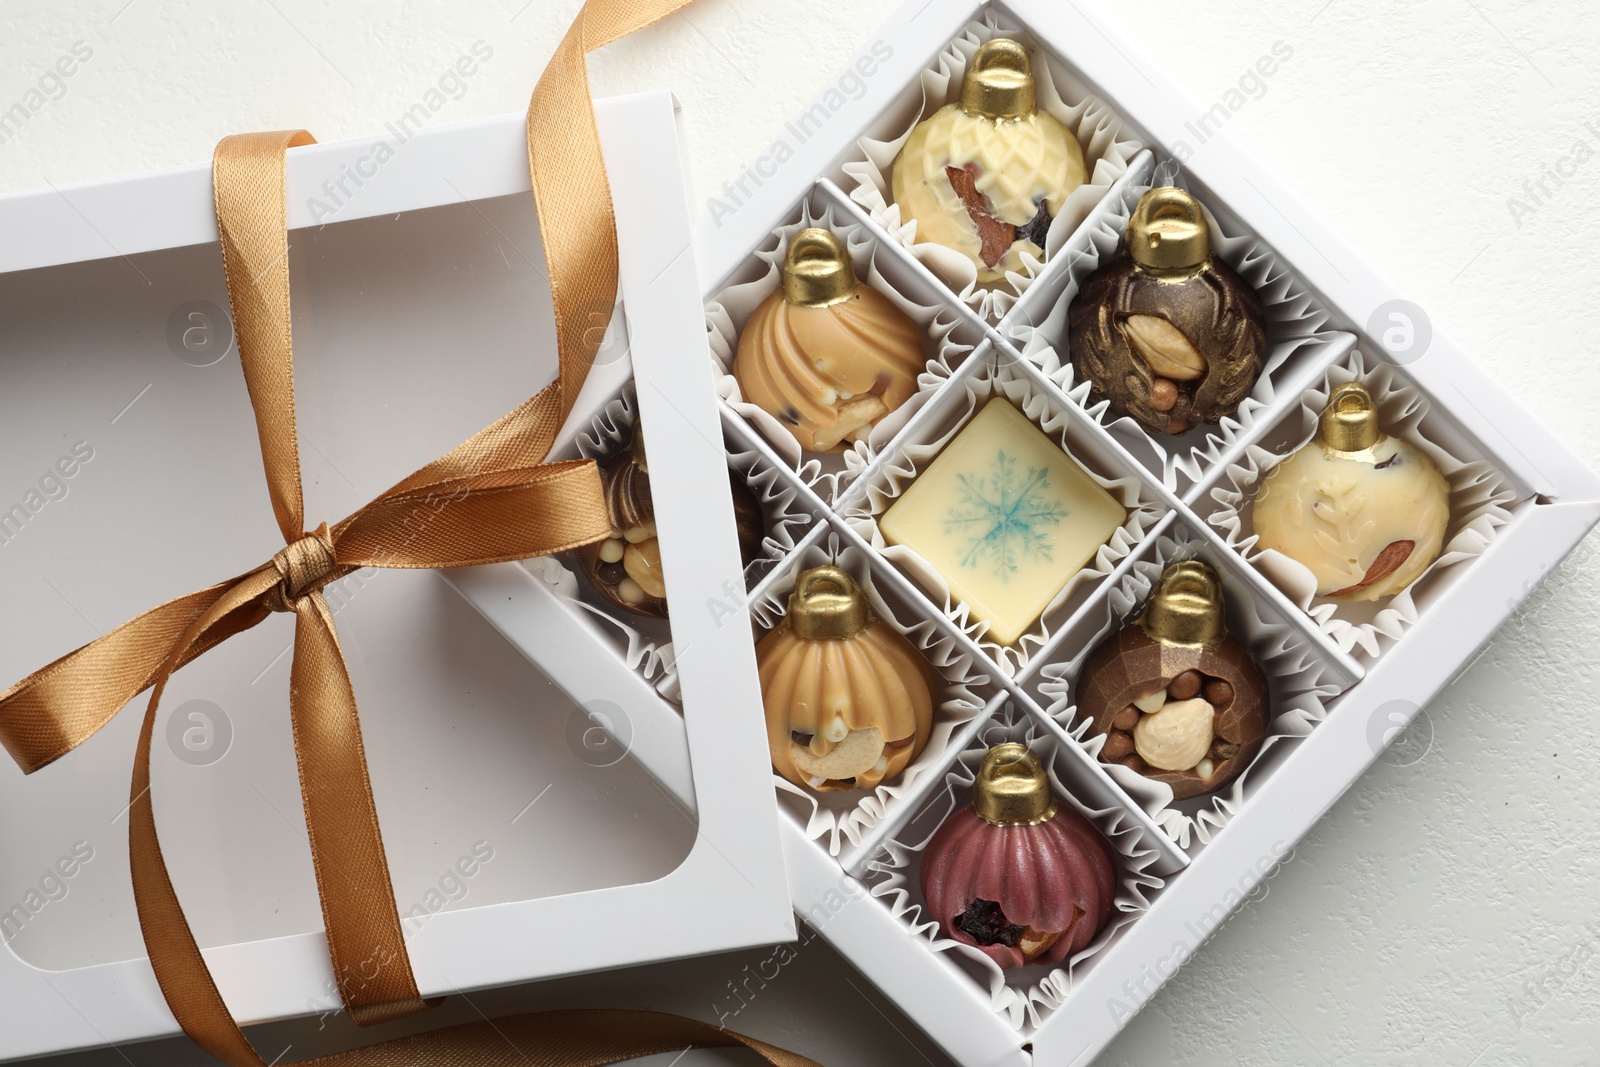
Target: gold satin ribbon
491 499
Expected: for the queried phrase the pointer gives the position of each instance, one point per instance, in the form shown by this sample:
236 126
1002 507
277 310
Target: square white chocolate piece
1006 517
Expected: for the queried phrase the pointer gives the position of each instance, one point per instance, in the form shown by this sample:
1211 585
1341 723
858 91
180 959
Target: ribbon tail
57 708
174 954
365 939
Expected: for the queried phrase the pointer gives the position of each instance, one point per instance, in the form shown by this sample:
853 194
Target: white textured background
1444 913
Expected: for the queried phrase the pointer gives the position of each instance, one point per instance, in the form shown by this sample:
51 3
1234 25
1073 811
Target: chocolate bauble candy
1179 699
1167 332
1366 513
824 354
1015 874
848 700
985 176
626 567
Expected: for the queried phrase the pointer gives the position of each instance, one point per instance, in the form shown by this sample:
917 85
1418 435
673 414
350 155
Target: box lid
519 848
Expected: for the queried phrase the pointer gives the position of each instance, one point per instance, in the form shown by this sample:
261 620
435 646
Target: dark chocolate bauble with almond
1167 332
626 567
1177 698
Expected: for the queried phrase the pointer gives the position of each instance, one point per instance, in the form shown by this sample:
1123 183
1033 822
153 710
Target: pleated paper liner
1300 682
837 820
949 338
1482 499
1109 146
1300 343
1024 996
994 372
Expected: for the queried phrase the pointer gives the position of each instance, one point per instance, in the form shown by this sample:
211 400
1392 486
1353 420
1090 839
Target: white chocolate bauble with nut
1014 164
1367 522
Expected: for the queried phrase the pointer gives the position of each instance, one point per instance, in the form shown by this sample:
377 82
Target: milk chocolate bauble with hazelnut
848 700
1366 513
826 355
626 567
1178 698
987 175
1167 332
1017 875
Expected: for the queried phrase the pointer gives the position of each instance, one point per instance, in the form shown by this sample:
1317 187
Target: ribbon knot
304 566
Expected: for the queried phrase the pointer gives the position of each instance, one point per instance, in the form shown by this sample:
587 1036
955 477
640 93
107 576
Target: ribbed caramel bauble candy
1178 698
1166 331
987 175
824 354
1365 512
848 700
1016 874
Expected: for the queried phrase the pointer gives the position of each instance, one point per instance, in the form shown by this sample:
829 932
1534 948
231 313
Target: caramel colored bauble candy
1167 332
1199 701
824 354
1017 875
848 700
1366 513
986 176
626 567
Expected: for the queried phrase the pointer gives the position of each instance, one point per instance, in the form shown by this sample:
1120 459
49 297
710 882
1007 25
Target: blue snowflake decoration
1002 516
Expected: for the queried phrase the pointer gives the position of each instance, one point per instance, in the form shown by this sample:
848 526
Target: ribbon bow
491 499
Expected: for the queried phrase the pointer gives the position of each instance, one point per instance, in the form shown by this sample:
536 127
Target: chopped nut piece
1176 737
1164 348
1151 703
1389 560
1118 745
1185 685
1219 694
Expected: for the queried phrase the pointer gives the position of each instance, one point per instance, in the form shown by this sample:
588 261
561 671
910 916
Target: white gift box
1348 686
522 839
